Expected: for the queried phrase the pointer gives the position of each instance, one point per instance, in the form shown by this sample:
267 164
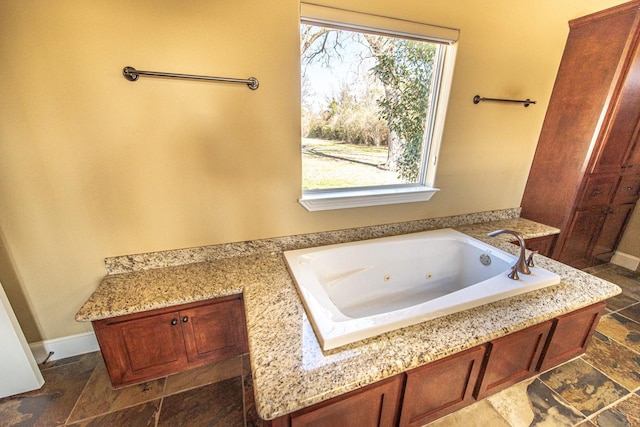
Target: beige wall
92 165
630 243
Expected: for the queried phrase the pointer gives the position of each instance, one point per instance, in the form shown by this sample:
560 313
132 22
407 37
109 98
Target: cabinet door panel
570 335
372 406
141 341
441 387
543 245
214 332
584 227
611 232
621 133
628 190
633 158
512 359
141 349
599 190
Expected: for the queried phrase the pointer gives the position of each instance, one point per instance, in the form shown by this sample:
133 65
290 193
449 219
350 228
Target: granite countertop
281 339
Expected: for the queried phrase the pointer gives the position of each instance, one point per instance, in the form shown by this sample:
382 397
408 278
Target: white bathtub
358 290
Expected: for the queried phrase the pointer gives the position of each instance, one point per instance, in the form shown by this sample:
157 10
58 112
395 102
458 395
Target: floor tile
251 414
628 280
584 387
99 396
615 360
620 329
532 403
620 302
52 404
625 413
136 416
218 404
204 375
632 312
480 414
90 358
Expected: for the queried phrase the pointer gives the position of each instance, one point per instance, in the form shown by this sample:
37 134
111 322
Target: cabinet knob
185 319
174 322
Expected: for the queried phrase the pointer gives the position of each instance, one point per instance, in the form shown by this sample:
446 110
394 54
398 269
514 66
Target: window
374 97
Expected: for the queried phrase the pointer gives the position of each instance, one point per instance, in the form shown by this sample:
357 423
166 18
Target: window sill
322 200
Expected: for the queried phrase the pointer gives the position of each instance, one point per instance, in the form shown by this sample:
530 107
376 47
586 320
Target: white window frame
424 189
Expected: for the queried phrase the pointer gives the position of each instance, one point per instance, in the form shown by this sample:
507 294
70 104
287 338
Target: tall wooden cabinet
585 176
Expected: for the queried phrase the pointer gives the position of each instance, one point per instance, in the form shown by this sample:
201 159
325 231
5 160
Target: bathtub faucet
521 264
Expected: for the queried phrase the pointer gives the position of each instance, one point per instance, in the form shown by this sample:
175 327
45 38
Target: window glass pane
366 107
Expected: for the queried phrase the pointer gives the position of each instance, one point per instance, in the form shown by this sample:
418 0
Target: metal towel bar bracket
132 75
526 102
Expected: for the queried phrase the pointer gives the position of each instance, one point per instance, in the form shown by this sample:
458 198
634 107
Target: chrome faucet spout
520 265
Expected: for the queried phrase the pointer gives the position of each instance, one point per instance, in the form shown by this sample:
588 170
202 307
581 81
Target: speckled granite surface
281 339
138 262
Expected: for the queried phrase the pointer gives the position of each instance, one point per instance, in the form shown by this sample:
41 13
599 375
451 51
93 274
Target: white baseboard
72 345
625 260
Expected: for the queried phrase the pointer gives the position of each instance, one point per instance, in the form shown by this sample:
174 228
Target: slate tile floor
77 392
600 388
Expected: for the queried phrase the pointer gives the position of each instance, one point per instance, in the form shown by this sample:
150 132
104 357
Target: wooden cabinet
543 245
584 229
610 232
152 344
375 405
439 388
424 394
585 176
570 335
512 358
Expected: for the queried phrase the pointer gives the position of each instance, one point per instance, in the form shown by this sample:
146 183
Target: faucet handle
514 273
530 259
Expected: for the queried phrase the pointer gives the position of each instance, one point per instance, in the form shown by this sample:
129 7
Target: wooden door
215 331
142 348
621 132
543 245
632 164
570 335
580 237
512 359
628 190
441 387
611 232
372 406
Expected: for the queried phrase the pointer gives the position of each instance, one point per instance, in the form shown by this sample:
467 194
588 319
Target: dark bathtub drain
485 259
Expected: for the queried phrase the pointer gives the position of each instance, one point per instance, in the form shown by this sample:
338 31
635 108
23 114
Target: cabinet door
570 335
611 232
215 331
372 406
441 387
620 134
512 358
633 158
141 348
628 190
599 190
580 237
543 245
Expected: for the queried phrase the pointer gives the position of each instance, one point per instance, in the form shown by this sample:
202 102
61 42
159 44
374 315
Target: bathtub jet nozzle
520 265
